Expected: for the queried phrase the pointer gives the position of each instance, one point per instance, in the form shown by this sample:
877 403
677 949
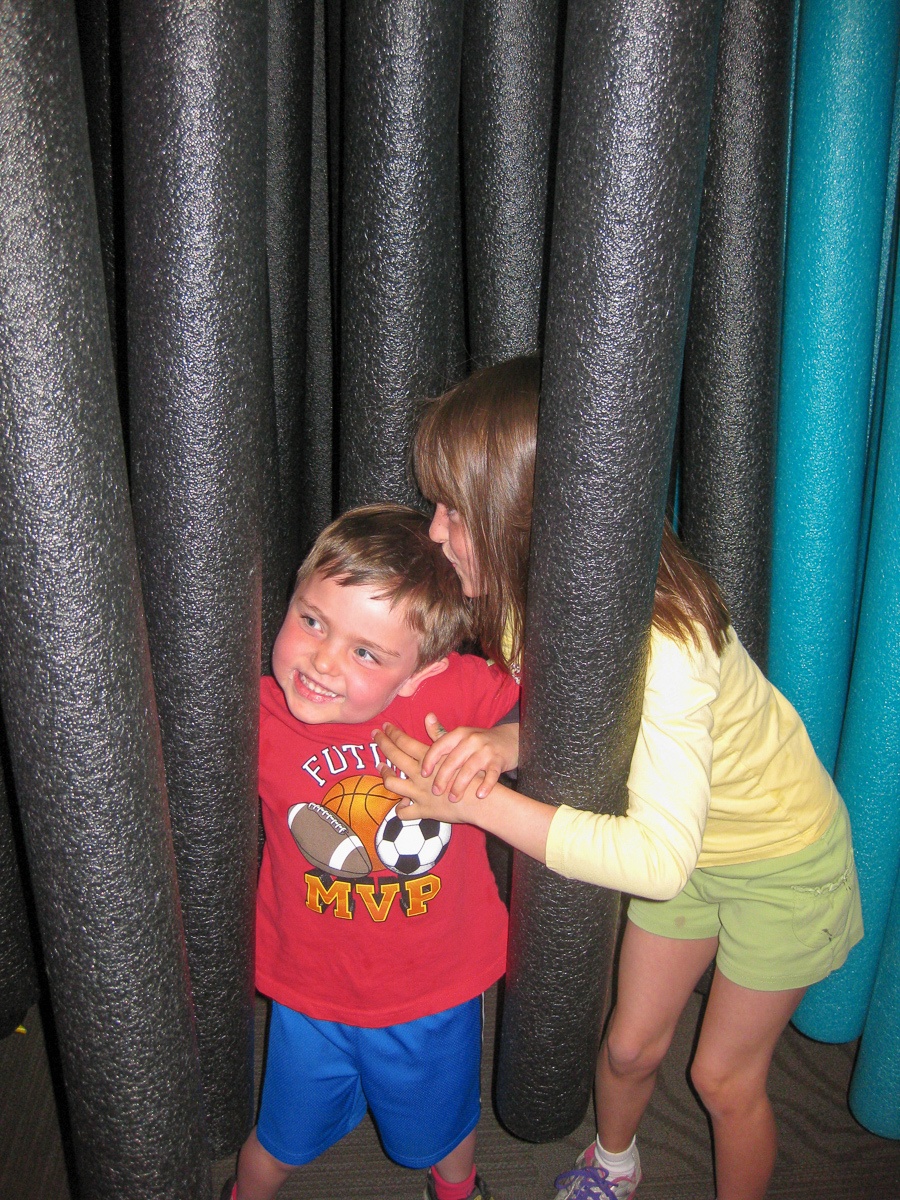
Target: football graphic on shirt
411 847
327 842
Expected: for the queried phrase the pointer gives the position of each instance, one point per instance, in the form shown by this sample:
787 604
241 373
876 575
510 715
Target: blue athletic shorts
420 1080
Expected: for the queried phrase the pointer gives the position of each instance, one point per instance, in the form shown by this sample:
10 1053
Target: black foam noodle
194 121
508 111
734 332
401 335
75 674
94 29
636 96
290 71
317 500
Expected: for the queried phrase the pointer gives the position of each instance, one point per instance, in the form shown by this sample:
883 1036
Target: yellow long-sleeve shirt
723 772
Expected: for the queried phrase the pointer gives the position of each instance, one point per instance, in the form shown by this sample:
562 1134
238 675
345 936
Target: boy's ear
411 686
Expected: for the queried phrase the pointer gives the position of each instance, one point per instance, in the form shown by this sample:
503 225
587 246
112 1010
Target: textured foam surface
734 332
289 123
201 407
400 321
97 57
847 60
75 673
318 434
636 98
868 766
875 1086
509 89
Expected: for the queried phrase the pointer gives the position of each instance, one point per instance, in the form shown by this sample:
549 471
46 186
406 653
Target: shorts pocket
820 914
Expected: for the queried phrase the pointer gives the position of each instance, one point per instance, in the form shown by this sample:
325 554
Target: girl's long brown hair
474 452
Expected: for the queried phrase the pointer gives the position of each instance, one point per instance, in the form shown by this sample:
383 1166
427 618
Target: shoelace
591 1182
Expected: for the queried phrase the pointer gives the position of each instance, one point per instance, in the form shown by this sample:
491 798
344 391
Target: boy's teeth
315 687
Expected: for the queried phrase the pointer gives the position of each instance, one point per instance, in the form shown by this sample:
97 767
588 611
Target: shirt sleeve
489 694
652 850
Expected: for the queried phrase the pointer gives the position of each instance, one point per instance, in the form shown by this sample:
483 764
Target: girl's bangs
435 473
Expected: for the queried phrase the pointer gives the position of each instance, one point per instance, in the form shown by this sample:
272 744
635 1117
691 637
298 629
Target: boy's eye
366 655
308 621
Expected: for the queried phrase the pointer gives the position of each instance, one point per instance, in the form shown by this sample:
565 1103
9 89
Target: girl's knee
726 1088
628 1053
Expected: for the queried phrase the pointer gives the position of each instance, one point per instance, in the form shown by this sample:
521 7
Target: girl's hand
406 754
463 754
517 819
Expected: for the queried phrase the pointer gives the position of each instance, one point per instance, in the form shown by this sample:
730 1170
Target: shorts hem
419 1163
292 1160
767 984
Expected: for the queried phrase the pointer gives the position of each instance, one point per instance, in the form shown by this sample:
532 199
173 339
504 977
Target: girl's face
449 530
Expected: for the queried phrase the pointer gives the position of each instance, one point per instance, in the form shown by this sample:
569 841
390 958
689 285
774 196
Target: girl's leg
656 977
740 1030
259 1174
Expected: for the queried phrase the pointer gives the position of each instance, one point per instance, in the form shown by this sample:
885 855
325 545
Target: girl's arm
652 850
643 853
516 819
454 759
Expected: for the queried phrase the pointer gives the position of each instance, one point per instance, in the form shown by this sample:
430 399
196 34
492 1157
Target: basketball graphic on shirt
362 803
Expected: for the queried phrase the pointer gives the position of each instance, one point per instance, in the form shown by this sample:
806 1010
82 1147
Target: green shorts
781 923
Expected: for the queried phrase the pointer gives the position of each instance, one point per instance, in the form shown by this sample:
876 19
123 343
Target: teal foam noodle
875 1086
868 765
840 167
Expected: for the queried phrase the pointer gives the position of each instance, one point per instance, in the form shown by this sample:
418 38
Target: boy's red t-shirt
378 947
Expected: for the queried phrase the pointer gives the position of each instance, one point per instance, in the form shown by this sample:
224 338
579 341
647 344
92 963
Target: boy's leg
454 1177
656 977
730 1070
422 1081
459 1164
311 1098
259 1174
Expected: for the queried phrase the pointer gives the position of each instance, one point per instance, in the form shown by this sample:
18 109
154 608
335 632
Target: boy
375 938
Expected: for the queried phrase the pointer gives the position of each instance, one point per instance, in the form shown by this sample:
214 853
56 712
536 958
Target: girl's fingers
393 782
393 741
443 744
459 769
466 773
447 772
405 762
409 745
491 775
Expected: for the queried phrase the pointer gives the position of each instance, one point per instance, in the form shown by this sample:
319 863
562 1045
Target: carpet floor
824 1154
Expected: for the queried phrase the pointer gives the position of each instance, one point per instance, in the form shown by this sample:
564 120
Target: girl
735 846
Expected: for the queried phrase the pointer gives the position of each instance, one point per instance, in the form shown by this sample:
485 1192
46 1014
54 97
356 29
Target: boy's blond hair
387 546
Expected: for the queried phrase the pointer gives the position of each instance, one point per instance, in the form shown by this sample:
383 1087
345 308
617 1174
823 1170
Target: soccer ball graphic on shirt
411 847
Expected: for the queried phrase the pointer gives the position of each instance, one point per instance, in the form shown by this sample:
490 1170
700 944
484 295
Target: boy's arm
457 757
517 819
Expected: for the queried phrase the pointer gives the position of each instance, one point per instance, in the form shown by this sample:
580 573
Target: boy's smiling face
343 653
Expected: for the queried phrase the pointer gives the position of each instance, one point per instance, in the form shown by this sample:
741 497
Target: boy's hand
406 753
464 754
